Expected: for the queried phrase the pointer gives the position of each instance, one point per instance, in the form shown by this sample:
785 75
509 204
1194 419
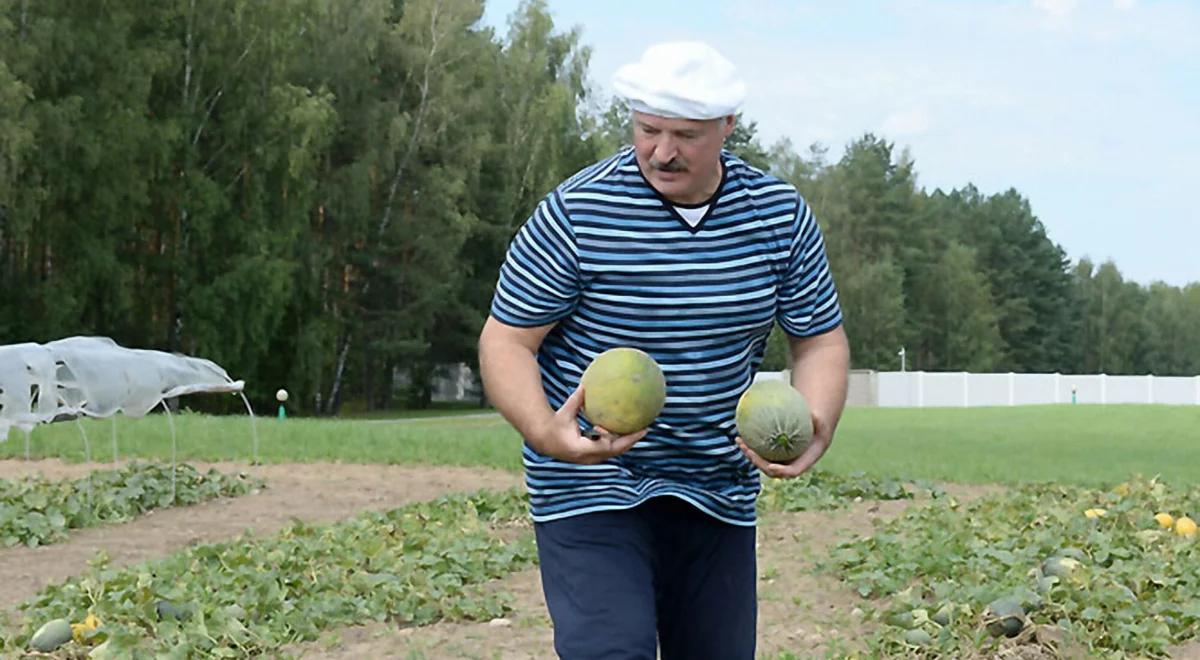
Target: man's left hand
822 437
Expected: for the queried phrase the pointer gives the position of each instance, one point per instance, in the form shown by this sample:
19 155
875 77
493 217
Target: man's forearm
513 385
820 370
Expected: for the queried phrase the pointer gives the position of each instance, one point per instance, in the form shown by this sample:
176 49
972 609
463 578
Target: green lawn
437 409
471 440
1085 445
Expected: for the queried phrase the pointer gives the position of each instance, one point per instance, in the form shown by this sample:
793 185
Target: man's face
680 157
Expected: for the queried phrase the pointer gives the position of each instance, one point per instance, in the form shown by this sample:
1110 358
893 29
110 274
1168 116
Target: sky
1088 108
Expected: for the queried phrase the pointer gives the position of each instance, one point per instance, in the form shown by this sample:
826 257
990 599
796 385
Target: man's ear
727 125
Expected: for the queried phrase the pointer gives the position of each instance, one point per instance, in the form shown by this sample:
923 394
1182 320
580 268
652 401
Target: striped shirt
608 259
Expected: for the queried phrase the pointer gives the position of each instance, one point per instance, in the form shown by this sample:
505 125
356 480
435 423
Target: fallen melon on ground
623 390
917 637
774 420
1063 568
1185 526
51 635
1004 616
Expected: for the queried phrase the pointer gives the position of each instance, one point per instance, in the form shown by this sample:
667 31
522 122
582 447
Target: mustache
671 166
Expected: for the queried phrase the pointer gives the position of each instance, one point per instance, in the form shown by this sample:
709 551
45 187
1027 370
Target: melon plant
252 596
37 511
624 389
774 420
1117 586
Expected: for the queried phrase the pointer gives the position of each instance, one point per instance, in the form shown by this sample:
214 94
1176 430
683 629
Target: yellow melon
624 389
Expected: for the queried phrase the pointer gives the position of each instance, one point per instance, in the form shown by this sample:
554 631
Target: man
679 249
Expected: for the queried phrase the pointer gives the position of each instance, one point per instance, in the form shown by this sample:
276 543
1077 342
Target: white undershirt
692 215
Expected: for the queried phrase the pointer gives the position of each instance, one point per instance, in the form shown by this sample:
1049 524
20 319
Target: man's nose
665 149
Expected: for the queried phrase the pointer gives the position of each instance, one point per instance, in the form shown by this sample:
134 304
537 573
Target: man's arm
820 371
512 381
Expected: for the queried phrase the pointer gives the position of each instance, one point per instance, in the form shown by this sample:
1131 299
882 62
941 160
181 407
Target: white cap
681 79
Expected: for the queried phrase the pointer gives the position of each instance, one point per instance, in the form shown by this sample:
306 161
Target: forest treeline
317 194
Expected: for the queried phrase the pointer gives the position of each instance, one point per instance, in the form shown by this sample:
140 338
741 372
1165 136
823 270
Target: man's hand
822 437
561 438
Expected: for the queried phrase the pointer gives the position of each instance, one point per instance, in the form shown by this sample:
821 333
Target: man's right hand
561 438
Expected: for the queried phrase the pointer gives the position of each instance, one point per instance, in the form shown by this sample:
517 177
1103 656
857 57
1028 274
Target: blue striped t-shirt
612 263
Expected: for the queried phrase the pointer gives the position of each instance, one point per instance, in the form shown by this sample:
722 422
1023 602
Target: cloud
1124 5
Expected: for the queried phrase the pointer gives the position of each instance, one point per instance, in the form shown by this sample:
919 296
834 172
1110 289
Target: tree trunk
335 391
333 404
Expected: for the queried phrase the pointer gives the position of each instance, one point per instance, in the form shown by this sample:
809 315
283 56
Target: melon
917 637
1004 616
168 610
774 420
1063 568
623 390
51 635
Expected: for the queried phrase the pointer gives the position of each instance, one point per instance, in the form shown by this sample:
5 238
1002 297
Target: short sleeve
808 300
539 280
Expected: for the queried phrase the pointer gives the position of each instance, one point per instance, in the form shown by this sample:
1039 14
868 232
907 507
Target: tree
1167 349
404 257
1026 273
866 205
872 297
1113 337
743 142
964 332
16 140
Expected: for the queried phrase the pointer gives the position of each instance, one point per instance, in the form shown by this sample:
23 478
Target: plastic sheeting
96 377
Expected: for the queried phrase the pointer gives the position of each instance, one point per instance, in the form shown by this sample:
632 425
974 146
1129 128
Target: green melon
1004 616
51 635
917 637
168 610
774 420
623 390
903 619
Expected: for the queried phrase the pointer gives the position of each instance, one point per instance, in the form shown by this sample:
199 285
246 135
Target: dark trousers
617 582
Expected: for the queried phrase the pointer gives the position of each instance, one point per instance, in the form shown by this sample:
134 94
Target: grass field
1084 445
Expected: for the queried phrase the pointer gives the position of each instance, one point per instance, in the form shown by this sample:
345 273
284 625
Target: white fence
916 389
932 389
